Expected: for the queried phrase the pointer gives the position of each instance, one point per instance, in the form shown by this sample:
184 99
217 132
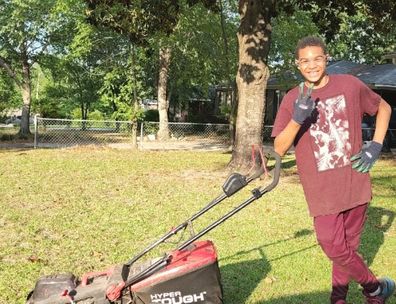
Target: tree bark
26 96
163 102
254 40
135 104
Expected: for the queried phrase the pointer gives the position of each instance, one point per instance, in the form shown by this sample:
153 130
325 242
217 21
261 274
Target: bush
151 115
96 115
76 114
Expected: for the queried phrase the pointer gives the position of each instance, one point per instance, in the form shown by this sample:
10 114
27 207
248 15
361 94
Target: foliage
328 16
77 65
78 74
9 96
151 115
197 45
28 31
137 20
96 115
28 26
351 28
354 35
287 31
183 26
123 86
76 114
359 41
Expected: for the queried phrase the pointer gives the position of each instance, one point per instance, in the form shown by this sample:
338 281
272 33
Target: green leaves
358 39
288 29
138 20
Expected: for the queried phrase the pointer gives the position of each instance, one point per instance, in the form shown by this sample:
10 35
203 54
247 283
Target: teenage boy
322 118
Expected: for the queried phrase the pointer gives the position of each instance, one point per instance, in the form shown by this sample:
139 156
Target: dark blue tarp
375 76
344 67
379 76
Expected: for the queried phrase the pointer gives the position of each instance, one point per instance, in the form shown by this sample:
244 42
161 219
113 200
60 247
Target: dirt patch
185 145
16 145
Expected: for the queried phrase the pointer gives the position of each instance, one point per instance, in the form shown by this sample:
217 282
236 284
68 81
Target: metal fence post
141 135
35 131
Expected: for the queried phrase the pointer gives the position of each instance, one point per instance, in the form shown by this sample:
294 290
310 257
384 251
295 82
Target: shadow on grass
305 298
288 164
241 278
379 220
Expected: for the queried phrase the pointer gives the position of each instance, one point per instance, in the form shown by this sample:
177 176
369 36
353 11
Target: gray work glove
304 105
365 159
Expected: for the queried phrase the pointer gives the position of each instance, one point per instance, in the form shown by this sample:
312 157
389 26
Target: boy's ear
328 57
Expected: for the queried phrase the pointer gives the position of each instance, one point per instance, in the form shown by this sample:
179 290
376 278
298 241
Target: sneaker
387 289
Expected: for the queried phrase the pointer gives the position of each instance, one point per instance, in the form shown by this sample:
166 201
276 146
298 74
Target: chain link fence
267 130
57 133
61 133
185 136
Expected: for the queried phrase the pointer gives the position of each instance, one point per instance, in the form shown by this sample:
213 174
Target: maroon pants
339 236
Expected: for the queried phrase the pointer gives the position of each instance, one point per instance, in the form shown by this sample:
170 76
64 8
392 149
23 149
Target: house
149 104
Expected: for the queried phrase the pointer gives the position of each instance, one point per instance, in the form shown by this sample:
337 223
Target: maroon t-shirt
326 142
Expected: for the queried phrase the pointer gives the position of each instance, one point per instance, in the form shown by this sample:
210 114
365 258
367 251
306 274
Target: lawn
85 209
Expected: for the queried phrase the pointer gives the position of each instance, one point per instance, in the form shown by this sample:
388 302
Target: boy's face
312 64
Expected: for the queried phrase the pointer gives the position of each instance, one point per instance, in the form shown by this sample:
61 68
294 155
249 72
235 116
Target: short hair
310 41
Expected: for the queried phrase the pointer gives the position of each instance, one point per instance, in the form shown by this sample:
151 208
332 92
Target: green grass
85 209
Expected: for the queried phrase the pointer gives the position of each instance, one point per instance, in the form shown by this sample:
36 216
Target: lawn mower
187 274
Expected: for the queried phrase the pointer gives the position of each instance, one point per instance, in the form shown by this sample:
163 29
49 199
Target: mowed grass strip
85 209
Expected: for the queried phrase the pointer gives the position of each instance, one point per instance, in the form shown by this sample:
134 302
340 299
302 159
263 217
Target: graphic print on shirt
330 134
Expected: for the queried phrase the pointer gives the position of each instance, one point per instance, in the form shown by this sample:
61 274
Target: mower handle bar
244 180
256 194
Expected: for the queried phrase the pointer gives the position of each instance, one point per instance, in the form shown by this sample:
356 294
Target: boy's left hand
365 159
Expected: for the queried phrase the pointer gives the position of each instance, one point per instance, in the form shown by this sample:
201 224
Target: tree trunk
232 115
163 103
254 40
26 96
135 103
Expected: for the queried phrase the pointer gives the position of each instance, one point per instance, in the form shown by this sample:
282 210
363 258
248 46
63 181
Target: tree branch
9 71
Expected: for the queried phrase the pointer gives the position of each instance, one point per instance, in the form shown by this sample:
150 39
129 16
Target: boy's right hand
304 105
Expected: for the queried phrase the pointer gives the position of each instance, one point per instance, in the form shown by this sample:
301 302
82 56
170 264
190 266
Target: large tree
27 30
253 37
140 21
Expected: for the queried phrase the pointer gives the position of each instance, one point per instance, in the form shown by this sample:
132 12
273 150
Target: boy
322 118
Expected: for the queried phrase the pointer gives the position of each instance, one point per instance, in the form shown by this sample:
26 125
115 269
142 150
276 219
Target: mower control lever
234 183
